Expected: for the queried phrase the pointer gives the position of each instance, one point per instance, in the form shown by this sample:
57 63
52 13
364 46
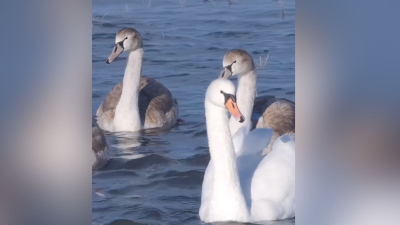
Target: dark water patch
201 67
212 48
200 133
121 191
125 222
145 162
214 22
227 34
108 25
102 209
115 174
290 93
260 26
153 50
174 173
182 214
196 160
270 90
177 75
191 218
134 164
94 60
157 61
146 39
258 52
151 213
178 198
199 148
109 83
184 182
102 36
96 94
153 132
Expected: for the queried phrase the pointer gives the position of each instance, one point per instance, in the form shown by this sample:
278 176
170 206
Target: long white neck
245 95
227 201
127 117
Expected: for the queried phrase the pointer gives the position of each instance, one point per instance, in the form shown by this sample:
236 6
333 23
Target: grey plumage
157 108
270 112
277 114
99 146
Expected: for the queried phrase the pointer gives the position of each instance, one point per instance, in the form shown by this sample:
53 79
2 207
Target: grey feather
157 108
277 114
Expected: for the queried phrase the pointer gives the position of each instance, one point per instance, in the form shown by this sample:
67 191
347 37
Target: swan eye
121 43
230 66
229 96
226 96
233 97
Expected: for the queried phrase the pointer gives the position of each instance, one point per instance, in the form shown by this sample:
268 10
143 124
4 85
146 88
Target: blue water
155 177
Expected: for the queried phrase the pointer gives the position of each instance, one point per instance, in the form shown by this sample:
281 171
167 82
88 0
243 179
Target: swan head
237 62
221 93
126 39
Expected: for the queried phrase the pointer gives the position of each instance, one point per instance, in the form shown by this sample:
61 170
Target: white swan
243 187
277 114
137 102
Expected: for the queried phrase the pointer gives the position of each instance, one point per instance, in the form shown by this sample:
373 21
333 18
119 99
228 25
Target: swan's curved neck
227 197
245 95
219 139
127 117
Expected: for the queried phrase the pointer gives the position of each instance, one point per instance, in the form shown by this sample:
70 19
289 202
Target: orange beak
234 110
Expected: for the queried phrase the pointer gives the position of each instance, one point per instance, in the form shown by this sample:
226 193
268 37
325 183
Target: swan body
277 114
153 98
99 147
240 184
137 102
273 183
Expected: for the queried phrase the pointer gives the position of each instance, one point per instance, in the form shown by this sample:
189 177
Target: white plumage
240 184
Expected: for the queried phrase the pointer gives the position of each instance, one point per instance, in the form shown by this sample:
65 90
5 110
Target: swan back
157 107
273 184
99 147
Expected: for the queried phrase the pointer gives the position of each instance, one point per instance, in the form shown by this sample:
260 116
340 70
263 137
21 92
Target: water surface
155 177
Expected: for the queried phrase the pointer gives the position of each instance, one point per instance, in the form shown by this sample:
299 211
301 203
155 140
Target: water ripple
155 176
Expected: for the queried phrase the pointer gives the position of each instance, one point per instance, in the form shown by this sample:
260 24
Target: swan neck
219 137
226 183
245 95
127 111
133 71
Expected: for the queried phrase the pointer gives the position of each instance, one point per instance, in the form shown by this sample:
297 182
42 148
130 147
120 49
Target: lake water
155 177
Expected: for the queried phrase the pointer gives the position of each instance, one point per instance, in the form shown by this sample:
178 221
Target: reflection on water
155 176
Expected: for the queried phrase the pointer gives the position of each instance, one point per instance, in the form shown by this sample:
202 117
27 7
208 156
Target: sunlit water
155 177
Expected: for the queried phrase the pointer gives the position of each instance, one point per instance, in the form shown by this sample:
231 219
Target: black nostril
241 119
107 61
